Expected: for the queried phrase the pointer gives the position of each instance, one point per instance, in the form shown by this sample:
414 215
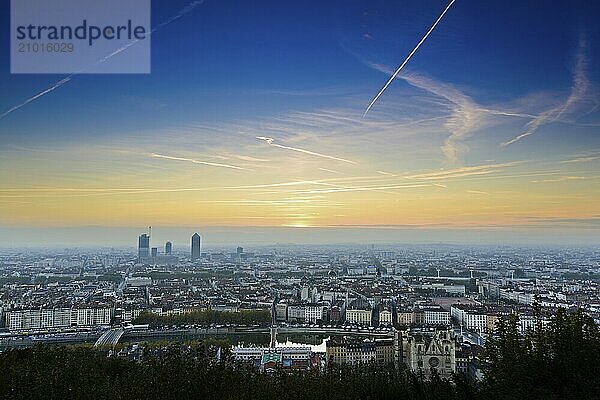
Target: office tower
168 248
143 246
240 250
154 252
196 246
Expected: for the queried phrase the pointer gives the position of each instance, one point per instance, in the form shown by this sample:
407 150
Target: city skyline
253 129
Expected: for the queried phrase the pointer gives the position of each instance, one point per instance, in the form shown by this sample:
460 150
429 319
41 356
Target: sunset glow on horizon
462 139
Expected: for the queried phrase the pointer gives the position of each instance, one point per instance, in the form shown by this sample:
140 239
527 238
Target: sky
252 120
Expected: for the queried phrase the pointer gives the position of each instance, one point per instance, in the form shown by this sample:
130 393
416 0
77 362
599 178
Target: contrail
580 160
408 58
64 81
362 189
579 89
37 96
312 153
196 161
329 170
67 79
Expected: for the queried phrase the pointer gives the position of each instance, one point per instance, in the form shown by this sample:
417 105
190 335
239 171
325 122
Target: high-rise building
143 246
168 248
240 250
154 252
196 246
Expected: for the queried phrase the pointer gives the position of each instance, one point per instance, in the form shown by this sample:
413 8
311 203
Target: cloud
467 116
560 179
592 221
249 158
581 159
362 189
579 92
270 142
196 161
329 170
282 202
463 172
52 88
477 192
277 184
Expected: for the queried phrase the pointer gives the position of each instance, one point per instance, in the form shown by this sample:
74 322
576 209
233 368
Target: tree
553 361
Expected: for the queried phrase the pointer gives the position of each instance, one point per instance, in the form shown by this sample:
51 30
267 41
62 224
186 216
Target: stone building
353 351
428 348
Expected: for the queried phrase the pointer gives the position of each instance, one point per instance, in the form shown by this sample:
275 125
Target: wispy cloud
271 142
467 116
249 158
583 221
37 96
560 179
275 185
463 172
582 159
282 202
477 192
329 170
191 160
362 189
579 91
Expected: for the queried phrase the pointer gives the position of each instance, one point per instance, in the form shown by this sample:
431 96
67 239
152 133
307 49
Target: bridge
110 338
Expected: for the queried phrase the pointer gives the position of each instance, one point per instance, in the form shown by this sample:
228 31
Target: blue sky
302 73
221 60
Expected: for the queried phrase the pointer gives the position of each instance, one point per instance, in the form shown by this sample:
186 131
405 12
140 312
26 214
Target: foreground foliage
558 361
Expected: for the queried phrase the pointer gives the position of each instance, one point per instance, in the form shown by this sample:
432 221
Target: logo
80 36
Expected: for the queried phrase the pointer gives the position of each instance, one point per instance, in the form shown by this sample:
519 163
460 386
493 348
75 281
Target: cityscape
300 307
341 200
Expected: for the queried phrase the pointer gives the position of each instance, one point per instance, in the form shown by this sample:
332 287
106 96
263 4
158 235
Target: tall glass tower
196 246
143 246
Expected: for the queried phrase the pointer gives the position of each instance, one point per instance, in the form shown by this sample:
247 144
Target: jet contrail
65 80
312 153
196 161
37 96
579 90
408 58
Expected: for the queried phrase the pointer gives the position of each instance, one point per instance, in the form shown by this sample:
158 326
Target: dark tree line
558 361
177 373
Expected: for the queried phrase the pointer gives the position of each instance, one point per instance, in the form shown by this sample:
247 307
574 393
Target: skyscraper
143 246
196 246
154 252
168 248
